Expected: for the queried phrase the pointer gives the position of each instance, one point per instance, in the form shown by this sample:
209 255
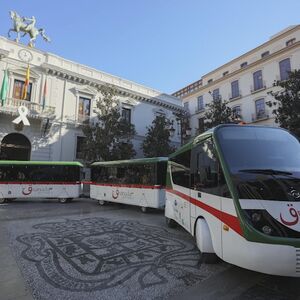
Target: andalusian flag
44 94
26 84
4 88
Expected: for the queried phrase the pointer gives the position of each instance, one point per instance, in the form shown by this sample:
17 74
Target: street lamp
182 119
172 130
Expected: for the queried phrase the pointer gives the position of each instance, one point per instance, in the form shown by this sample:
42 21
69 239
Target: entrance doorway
15 146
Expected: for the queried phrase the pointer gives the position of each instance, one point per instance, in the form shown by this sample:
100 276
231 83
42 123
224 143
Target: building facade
245 81
61 95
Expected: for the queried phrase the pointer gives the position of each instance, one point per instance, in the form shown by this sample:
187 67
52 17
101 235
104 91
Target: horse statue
27 26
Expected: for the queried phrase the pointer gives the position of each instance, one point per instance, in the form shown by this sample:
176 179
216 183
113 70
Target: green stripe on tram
130 161
40 163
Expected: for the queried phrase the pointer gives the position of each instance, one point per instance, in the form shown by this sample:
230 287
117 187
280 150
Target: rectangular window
257 80
290 42
236 110
260 108
79 146
126 114
235 89
200 103
19 86
244 64
216 95
285 68
201 125
265 54
84 108
186 106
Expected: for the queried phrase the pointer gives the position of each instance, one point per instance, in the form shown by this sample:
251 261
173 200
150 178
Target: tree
219 113
109 136
157 141
286 106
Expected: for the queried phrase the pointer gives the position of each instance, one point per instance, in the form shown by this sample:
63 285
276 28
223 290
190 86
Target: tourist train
235 188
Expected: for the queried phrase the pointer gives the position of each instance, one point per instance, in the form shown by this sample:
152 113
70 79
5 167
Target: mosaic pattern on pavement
115 257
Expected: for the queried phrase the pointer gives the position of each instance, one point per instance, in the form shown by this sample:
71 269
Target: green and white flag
4 88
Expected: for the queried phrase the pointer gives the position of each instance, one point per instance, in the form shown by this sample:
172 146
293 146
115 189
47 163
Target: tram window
161 170
205 175
147 175
5 173
180 169
121 175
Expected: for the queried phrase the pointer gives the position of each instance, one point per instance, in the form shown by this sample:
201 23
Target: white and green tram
139 182
39 179
236 189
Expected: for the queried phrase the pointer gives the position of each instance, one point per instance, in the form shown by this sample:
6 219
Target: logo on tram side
123 194
115 194
294 193
293 217
27 191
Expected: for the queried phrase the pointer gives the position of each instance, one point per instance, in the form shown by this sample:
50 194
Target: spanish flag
44 94
26 84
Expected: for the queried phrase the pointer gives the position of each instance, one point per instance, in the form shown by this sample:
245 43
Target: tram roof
207 134
131 161
210 132
47 163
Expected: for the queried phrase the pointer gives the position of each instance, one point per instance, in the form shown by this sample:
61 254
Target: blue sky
164 44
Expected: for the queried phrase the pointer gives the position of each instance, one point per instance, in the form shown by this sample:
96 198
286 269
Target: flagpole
26 84
44 93
4 87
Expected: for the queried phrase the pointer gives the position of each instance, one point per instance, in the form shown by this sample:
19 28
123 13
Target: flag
4 87
26 84
44 94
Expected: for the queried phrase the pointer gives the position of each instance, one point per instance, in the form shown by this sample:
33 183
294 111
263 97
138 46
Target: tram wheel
63 200
101 202
170 223
207 258
144 209
2 200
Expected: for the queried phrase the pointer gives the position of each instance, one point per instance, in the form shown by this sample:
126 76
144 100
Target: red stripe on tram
230 220
139 186
41 182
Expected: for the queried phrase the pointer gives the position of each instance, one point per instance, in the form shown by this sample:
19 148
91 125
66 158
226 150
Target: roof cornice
272 40
252 65
95 83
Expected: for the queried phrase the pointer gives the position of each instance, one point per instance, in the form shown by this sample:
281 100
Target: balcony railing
199 109
233 97
78 120
35 110
256 89
259 116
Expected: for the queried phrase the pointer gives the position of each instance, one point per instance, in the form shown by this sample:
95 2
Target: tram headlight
262 221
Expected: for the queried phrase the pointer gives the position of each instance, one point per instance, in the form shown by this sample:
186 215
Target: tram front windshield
264 163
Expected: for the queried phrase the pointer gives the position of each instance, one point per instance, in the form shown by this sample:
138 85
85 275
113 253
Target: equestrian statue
26 26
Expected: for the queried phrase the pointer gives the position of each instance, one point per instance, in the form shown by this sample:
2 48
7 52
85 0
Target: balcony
260 116
78 120
258 89
35 110
235 97
199 110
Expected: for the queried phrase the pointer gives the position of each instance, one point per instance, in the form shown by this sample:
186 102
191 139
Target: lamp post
182 119
172 129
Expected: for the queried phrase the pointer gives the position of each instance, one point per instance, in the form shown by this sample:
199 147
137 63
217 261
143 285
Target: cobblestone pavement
83 251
